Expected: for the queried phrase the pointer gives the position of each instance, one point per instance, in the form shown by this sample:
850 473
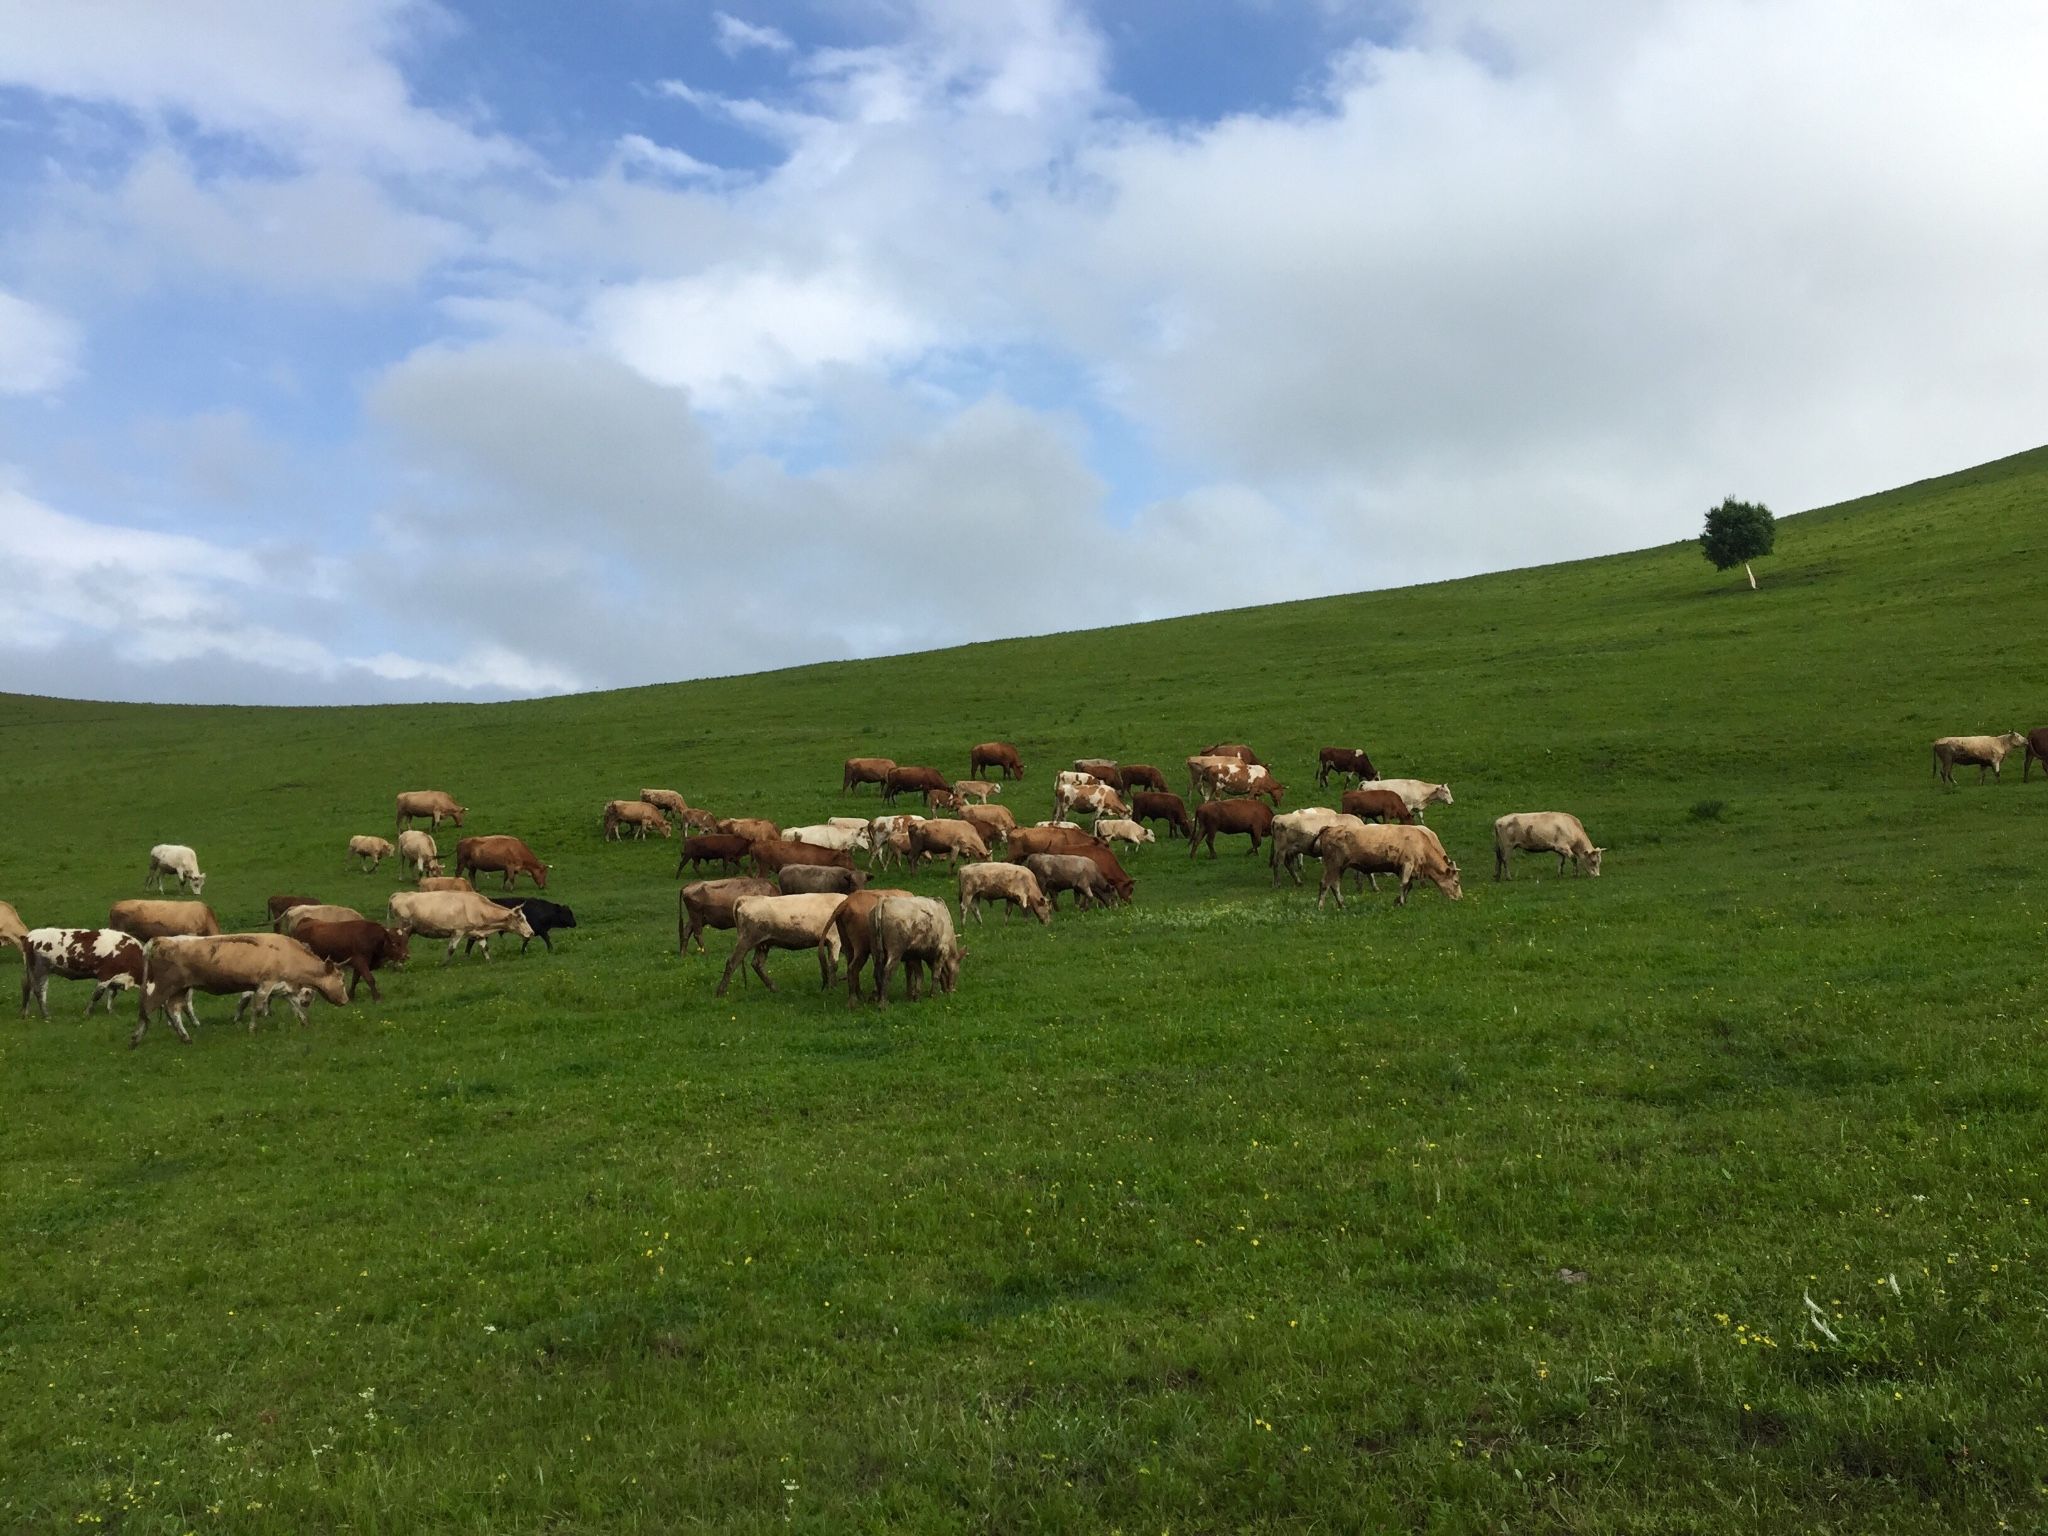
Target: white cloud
38 349
736 36
638 149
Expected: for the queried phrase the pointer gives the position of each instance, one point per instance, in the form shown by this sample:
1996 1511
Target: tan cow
1417 794
993 822
637 814
916 933
1297 833
1076 872
1556 832
1979 752
1386 850
455 916
371 850
446 883
783 922
755 829
12 929
148 920
254 965
864 770
853 930
950 840
1011 884
976 790
505 855
1121 829
434 804
667 799
293 918
419 853
709 904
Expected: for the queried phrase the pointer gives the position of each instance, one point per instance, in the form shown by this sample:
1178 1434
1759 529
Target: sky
411 349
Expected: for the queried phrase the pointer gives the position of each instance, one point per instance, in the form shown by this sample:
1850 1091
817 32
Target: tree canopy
1738 532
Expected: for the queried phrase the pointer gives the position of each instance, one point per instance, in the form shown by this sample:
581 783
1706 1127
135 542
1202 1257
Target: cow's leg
760 954
1500 862
912 968
1407 878
483 942
881 978
365 972
738 954
1560 863
450 955
28 980
298 997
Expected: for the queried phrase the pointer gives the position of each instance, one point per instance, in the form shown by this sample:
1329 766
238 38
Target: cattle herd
805 890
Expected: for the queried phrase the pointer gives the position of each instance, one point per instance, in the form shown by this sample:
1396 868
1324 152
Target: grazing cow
769 857
813 879
1377 805
1979 752
1131 775
146 920
914 778
542 916
255 965
173 861
279 905
853 930
916 933
1417 794
360 946
755 829
1403 851
977 790
419 853
507 855
1114 829
430 804
950 840
456 916
294 918
1252 818
445 883
667 799
1351 761
109 960
726 848
943 800
12 929
1556 832
1026 841
1236 749
827 834
1165 806
1102 769
708 904
1091 800
993 822
696 820
865 770
1068 780
889 838
1296 833
2037 747
1056 872
1215 777
1120 882
1010 884
371 850
637 814
783 922
999 755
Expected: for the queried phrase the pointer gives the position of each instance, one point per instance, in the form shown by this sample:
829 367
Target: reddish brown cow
1344 760
864 770
1236 749
1104 860
1253 818
772 855
505 855
1131 775
855 921
2037 746
1377 805
360 947
726 848
995 754
912 777
755 829
1025 841
1163 806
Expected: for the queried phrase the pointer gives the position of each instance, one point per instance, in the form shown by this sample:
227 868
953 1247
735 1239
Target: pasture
1212 1213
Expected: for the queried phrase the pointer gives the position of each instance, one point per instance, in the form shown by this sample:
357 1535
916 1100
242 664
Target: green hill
1215 1213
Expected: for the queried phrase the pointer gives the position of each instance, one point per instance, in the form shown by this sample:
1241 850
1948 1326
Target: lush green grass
1213 1214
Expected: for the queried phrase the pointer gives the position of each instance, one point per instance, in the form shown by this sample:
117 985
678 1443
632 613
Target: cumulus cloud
38 349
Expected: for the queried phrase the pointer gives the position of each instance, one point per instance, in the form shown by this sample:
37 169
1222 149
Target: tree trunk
1750 574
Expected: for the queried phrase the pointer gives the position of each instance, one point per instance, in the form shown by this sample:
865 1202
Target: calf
148 920
915 932
506 855
637 814
1251 818
1114 829
783 922
110 960
726 848
999 755
889 838
1377 805
420 853
977 790
1556 832
1979 752
709 904
1403 851
1007 883
853 931
361 946
1166 807
1351 761
174 861
371 850
864 770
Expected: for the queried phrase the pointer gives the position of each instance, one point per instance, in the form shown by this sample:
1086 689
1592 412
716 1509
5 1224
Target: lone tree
1738 532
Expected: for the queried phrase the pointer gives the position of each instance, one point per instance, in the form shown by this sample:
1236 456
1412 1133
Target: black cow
542 916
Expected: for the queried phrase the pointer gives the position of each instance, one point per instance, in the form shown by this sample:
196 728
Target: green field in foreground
1211 1214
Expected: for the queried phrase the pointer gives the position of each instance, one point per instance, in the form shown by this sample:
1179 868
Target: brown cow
1131 775
996 754
755 829
854 924
950 840
110 960
1103 768
1344 760
1253 818
279 905
1057 872
148 920
507 855
912 777
864 770
1163 806
1104 859
417 803
361 946
2037 746
708 904
770 855
1026 841
640 815
1377 805
1236 749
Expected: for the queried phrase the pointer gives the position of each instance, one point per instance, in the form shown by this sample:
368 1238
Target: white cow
419 853
1557 832
1416 794
827 835
174 861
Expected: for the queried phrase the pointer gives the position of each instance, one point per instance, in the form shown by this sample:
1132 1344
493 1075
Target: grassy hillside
1211 1214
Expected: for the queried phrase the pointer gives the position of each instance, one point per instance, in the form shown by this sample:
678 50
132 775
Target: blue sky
395 349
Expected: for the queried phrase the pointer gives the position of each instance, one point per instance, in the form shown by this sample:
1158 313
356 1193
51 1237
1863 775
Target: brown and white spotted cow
111 960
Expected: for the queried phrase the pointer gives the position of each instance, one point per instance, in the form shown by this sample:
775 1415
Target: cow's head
540 878
198 884
520 925
2012 741
1591 861
1448 882
564 918
398 945
331 985
947 971
1439 795
458 813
